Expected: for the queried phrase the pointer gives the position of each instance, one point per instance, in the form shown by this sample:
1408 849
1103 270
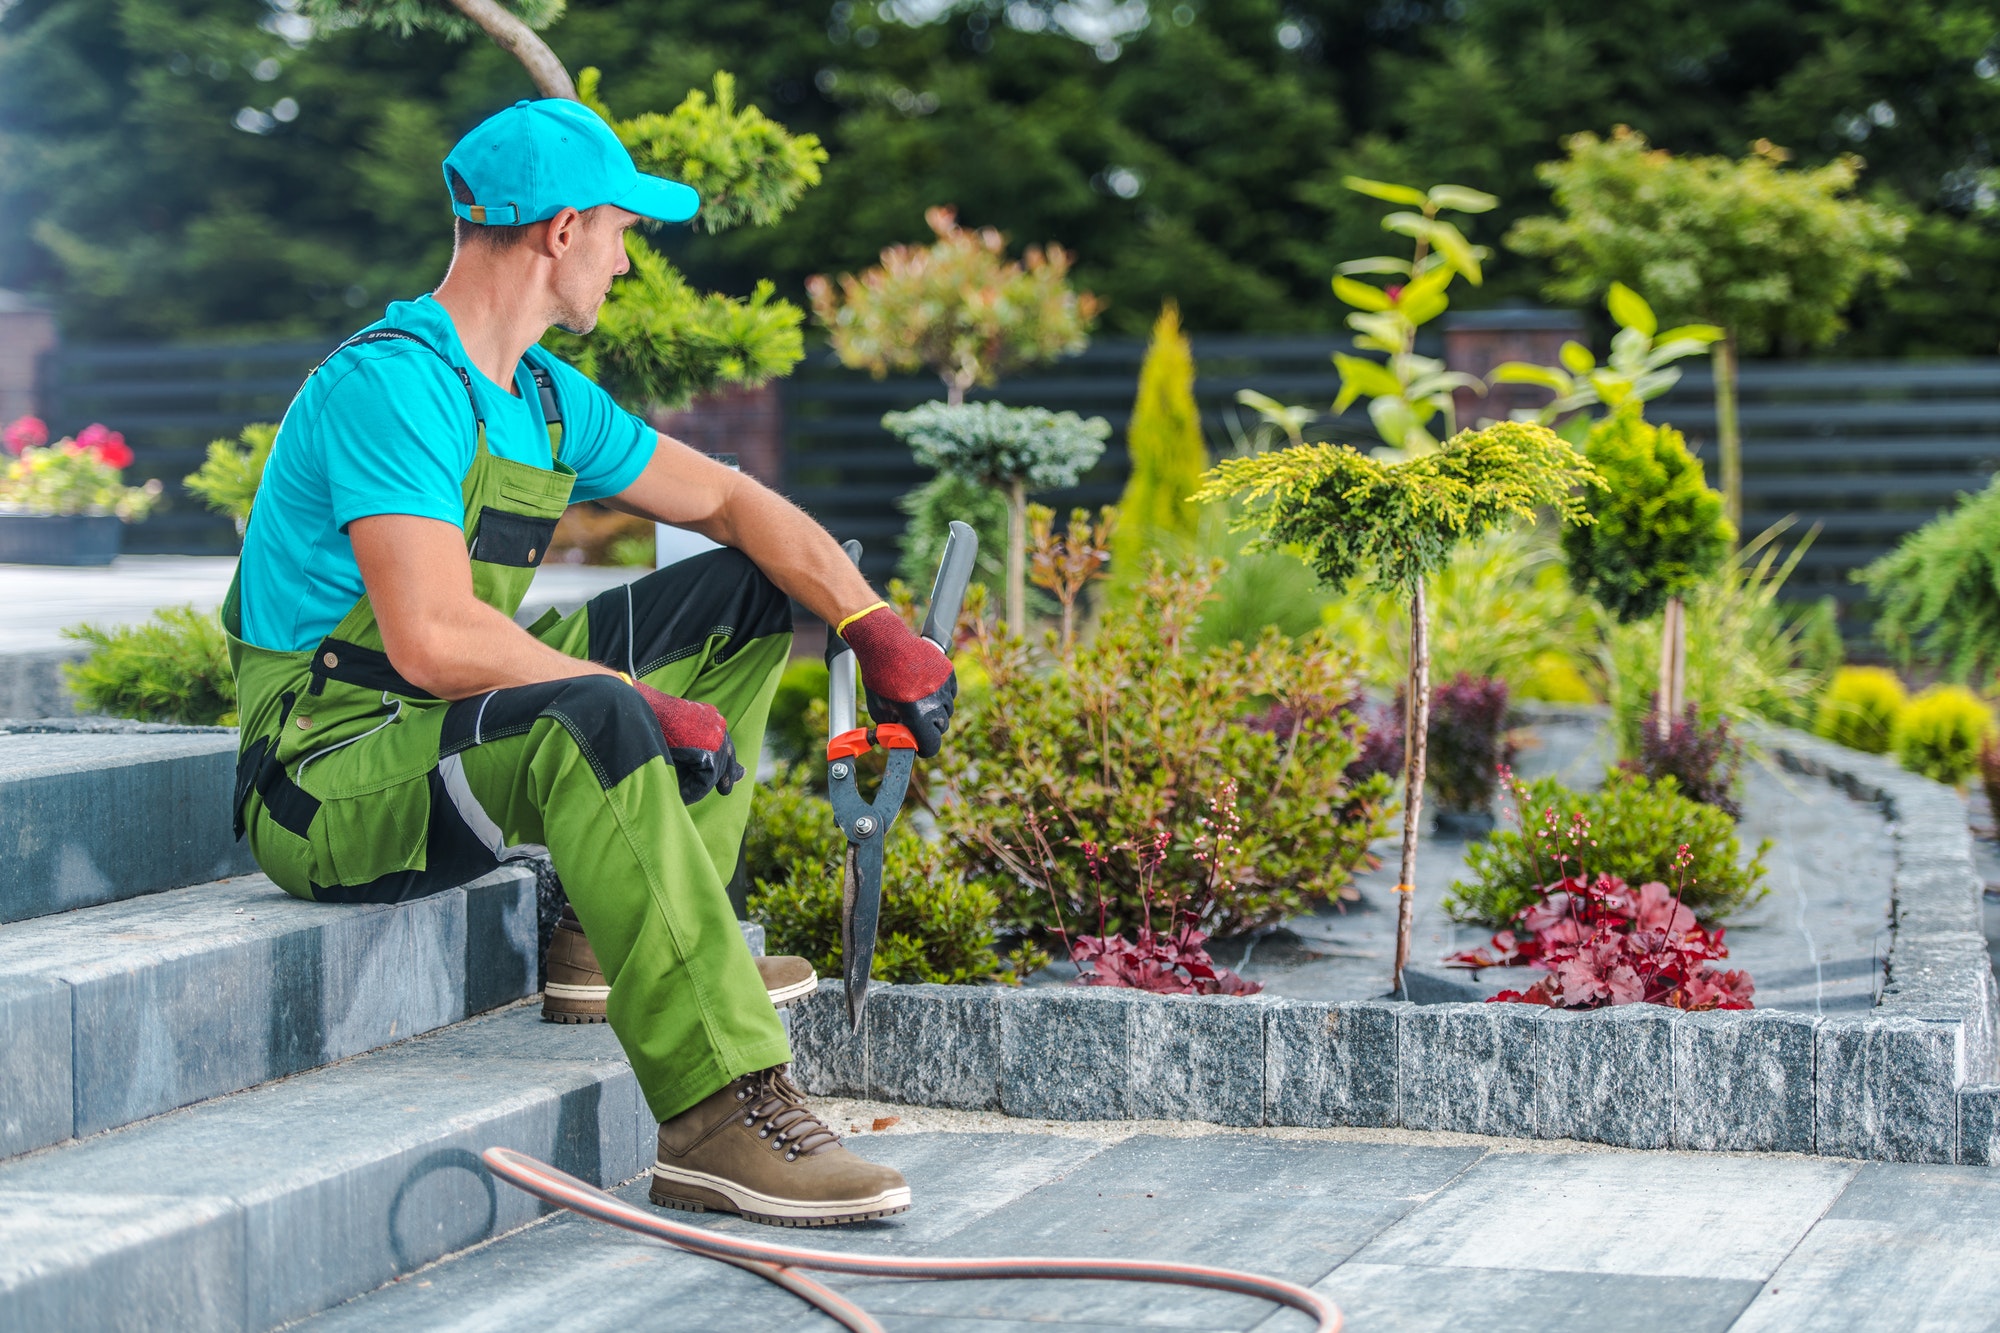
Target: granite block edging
1916 1079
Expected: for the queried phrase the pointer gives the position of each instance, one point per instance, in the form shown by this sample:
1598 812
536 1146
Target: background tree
958 308
1394 525
1157 512
511 26
1013 449
1768 254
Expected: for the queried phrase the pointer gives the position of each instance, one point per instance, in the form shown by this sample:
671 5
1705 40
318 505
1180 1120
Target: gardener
402 735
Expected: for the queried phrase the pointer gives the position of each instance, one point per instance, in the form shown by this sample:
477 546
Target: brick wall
749 423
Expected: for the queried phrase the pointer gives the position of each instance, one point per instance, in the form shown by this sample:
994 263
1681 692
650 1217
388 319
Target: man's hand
698 744
908 678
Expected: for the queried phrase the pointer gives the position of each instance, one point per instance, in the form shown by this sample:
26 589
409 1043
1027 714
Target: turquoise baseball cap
534 159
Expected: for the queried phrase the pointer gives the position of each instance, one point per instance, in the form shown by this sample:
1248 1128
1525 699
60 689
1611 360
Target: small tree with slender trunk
1012 449
958 308
1394 524
1770 255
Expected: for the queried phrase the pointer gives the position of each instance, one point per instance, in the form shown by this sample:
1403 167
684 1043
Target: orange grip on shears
895 736
849 743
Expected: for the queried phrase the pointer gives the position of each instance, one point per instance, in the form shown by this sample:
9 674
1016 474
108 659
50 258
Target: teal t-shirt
385 428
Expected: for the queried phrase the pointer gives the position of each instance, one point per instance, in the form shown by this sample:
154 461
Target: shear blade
858 911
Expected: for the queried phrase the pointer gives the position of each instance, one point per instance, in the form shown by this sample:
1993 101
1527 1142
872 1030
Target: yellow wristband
841 628
622 676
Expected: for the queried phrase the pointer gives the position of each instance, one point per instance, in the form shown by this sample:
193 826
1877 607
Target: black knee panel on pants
673 612
606 718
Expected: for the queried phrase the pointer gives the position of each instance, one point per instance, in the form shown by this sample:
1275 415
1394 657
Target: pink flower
107 444
26 433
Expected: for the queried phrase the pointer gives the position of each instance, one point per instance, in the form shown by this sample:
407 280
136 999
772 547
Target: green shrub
228 478
1639 827
932 507
173 668
1939 733
1860 707
1659 529
1939 591
936 925
796 732
1164 444
1117 768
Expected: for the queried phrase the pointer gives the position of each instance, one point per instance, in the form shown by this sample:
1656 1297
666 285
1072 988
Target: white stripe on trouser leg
452 769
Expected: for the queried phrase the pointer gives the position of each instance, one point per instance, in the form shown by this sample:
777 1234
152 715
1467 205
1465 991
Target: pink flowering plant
74 475
1173 961
1598 941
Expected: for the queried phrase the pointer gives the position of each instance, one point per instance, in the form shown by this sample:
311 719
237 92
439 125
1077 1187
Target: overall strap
385 335
545 389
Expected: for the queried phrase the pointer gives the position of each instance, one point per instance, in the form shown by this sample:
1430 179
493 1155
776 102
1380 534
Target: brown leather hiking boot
576 989
755 1148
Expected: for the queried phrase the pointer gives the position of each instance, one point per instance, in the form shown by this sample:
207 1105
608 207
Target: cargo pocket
359 839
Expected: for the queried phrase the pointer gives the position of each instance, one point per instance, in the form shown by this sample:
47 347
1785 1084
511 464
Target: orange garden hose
778 1263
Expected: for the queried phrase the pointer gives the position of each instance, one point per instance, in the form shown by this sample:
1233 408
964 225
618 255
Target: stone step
254 1210
89 816
123 1011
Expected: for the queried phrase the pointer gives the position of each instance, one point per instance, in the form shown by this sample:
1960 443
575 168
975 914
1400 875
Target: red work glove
697 741
907 678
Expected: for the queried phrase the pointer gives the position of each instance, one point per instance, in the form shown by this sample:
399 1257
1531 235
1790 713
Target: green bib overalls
354 785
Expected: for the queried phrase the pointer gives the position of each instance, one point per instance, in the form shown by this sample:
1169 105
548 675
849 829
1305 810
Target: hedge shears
866 824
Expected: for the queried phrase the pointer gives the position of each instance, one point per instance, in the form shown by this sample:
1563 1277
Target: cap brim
661 199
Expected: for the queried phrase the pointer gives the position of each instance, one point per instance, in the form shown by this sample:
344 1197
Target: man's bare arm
691 490
438 634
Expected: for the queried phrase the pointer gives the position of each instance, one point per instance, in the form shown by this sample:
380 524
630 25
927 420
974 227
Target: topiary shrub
936 924
1860 707
1659 529
1939 733
173 668
1639 826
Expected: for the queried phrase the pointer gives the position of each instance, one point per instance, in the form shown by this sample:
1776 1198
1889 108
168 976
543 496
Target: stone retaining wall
1914 1080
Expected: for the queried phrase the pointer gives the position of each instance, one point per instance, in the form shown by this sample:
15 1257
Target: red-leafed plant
1174 961
1600 942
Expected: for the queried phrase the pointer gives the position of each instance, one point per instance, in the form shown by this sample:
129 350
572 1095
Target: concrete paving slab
194 993
1658 1214
339 1180
1883 1276
37 1101
1289 1209
119 1261
1394 1298
60 849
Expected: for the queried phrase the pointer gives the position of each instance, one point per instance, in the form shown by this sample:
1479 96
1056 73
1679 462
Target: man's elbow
421 656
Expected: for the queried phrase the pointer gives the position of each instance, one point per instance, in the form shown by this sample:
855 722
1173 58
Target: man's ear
560 232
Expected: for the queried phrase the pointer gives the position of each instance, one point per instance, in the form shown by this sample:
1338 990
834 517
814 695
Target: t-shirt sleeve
608 446
396 435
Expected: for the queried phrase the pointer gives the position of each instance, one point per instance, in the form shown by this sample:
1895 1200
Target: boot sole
675 1188
586 1004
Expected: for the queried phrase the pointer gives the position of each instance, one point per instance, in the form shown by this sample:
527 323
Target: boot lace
770 1095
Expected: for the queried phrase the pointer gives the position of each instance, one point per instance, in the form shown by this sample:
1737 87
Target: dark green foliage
932 507
936 925
795 733
228 478
173 668
1114 769
1939 592
1659 529
1639 827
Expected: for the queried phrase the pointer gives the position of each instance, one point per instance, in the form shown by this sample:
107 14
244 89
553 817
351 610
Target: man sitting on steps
402 735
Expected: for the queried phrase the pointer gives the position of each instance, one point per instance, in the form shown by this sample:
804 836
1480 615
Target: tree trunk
1416 747
520 41
1673 672
1729 439
1017 556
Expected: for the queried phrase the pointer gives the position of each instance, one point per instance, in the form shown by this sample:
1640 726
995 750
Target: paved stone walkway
1406 1232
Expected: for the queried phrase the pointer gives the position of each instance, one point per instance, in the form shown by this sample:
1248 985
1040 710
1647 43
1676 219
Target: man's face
595 257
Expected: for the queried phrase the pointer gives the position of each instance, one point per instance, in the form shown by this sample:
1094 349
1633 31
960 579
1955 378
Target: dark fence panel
170 402
1867 450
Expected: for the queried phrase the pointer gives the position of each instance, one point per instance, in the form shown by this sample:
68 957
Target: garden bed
1913 1078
